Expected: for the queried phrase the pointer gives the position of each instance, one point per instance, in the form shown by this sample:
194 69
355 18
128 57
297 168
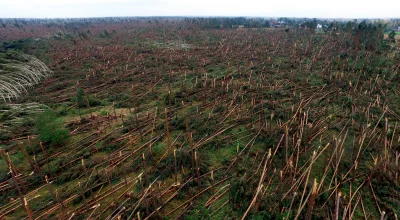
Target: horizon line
201 16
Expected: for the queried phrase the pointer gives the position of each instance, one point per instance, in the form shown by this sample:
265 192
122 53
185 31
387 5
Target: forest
199 118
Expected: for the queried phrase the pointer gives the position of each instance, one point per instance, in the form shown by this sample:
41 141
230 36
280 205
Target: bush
80 96
50 128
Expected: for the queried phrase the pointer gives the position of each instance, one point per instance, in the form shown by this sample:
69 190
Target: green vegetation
50 128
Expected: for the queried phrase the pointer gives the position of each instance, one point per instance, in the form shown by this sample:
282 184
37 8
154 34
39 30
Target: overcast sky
258 8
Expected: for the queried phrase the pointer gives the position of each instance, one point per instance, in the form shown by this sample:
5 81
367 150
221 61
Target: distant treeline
203 22
365 34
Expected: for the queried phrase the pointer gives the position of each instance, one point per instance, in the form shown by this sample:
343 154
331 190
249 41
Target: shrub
50 128
80 96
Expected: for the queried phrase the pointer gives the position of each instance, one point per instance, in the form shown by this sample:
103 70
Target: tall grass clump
19 72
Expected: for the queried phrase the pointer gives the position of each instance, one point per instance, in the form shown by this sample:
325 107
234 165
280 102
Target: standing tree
391 37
